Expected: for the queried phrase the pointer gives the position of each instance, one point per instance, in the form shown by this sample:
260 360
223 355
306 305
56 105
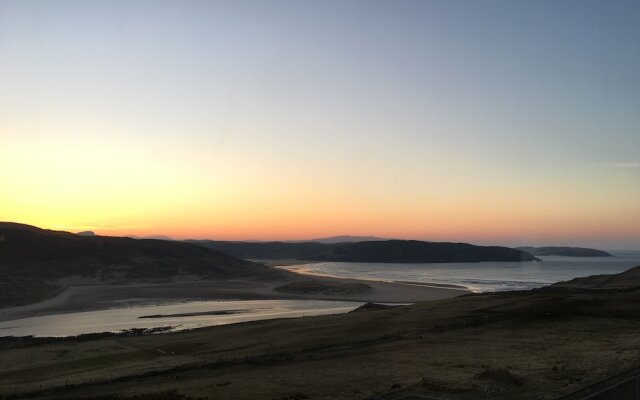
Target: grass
509 346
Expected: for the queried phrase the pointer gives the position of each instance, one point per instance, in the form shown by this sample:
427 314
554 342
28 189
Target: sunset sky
502 122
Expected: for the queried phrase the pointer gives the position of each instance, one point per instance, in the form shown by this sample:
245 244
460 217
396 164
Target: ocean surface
170 315
480 277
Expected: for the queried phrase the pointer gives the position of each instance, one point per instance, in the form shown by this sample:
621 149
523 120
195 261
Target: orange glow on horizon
157 191
391 123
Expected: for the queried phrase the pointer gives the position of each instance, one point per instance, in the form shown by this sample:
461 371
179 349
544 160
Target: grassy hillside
625 280
32 258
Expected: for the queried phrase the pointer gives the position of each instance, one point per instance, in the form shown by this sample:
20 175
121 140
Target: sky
491 122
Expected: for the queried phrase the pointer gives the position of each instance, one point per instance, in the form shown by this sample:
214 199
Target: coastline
302 271
101 296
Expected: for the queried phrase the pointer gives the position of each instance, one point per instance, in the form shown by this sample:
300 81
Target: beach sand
98 296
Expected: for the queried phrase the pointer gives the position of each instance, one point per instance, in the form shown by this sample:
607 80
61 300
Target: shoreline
410 283
283 264
102 296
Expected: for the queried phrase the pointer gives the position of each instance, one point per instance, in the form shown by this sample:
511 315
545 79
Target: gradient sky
509 122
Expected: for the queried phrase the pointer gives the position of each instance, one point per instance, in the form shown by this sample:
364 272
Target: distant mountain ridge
383 251
343 238
157 237
564 251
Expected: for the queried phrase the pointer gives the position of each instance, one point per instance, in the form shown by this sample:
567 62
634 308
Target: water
120 319
480 277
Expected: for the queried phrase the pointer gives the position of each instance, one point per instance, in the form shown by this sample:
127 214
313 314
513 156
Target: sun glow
284 129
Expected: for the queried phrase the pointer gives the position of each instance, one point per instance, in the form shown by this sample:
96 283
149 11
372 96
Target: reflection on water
480 277
179 316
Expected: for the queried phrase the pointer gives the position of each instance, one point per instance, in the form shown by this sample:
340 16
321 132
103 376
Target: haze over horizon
490 122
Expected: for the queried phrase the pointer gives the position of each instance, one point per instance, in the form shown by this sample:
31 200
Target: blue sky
387 105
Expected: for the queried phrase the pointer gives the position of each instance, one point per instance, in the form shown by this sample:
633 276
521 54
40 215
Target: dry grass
506 346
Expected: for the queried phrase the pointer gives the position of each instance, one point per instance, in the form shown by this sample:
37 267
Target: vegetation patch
501 376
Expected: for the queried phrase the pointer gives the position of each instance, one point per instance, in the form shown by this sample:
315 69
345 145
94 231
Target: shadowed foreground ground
520 345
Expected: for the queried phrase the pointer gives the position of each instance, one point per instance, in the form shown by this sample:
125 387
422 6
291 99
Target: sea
482 276
477 277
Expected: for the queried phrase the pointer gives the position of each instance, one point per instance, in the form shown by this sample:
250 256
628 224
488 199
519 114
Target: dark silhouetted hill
564 251
383 251
32 258
37 253
265 250
624 280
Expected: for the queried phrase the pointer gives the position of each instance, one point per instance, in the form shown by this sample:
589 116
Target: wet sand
96 296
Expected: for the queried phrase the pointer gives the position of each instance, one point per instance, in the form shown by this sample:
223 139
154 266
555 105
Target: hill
564 251
624 280
32 259
382 251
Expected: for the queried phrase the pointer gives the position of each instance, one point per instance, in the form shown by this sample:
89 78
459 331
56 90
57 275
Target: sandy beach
98 296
